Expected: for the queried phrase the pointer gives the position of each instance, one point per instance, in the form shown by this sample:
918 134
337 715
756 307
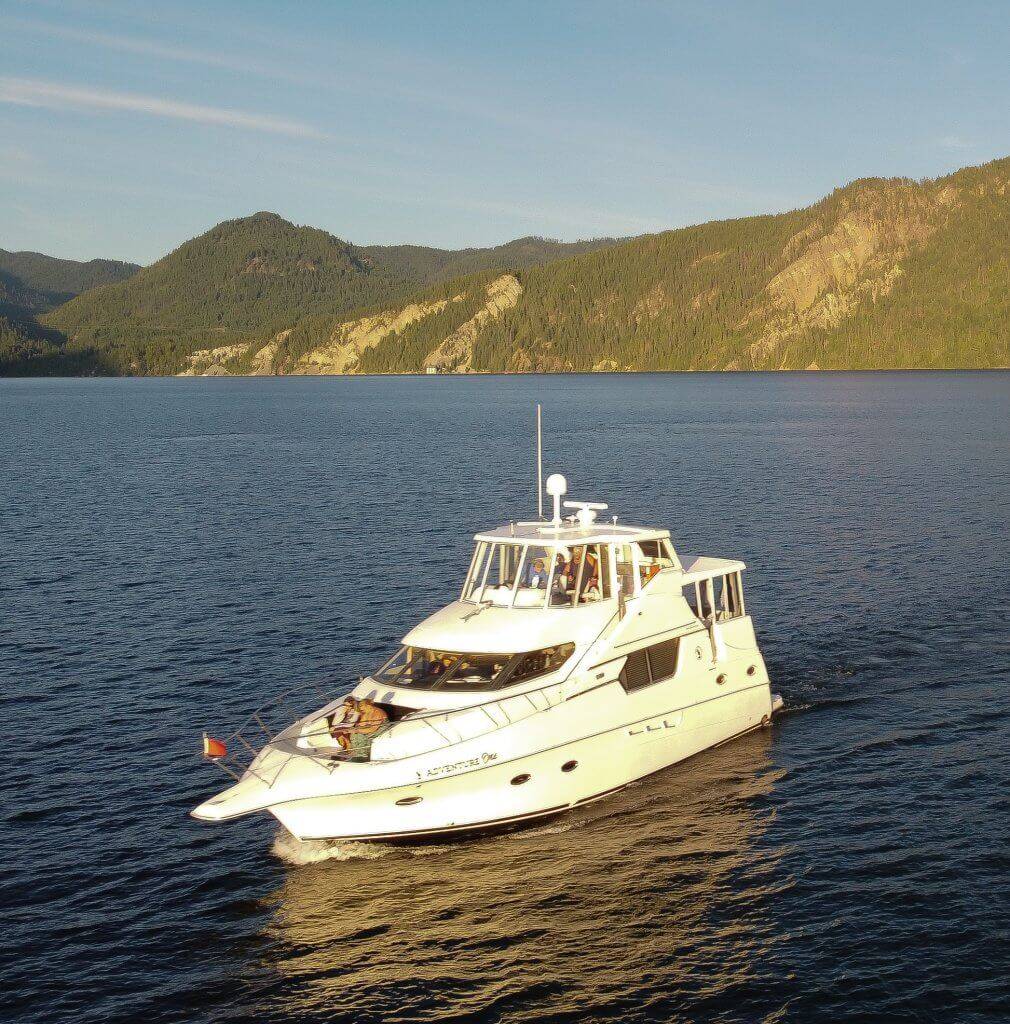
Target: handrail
257 716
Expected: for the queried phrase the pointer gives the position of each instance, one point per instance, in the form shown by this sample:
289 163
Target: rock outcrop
349 341
207 362
455 353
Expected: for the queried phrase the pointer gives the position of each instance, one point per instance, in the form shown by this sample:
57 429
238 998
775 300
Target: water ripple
183 550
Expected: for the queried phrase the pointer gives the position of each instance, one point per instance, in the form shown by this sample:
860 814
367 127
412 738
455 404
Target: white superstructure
579 657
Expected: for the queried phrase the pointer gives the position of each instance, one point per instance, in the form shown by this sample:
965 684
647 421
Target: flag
213 748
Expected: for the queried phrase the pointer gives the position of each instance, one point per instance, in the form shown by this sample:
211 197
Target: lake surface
174 552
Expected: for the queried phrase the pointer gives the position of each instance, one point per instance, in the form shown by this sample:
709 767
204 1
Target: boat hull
505 789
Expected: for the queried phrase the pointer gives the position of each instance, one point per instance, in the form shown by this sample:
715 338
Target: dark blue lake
174 552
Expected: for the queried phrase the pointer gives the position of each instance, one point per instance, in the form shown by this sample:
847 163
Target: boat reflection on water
658 894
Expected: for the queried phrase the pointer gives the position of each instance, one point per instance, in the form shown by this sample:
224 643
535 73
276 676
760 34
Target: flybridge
567 562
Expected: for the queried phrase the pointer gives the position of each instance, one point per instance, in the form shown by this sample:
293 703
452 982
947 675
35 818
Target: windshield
422 668
517 575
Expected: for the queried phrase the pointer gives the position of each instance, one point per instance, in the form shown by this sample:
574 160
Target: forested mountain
880 274
31 284
251 278
423 266
883 273
58 280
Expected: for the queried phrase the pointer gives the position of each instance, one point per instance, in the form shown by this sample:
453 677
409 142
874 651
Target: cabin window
423 668
493 574
474 578
635 673
395 666
539 663
624 565
701 598
663 660
537 565
578 577
729 596
652 557
511 574
650 665
717 599
593 585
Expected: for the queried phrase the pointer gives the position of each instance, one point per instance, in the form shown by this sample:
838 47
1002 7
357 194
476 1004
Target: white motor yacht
580 657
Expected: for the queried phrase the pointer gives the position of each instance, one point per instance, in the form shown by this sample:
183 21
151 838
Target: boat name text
456 766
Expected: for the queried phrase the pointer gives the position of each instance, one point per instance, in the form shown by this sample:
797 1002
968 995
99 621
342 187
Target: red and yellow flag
213 748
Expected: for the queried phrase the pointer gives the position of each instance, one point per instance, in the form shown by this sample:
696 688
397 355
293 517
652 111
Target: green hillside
31 284
57 281
252 278
883 273
422 266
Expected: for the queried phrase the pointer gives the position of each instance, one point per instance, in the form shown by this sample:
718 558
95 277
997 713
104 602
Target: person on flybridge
536 575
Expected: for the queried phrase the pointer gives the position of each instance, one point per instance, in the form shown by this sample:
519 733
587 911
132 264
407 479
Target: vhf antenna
540 466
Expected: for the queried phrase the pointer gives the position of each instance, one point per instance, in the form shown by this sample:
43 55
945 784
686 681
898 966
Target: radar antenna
586 514
540 467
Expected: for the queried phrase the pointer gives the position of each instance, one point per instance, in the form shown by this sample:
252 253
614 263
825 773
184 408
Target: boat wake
300 852
314 851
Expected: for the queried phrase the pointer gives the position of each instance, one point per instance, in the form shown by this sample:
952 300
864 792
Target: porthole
409 801
721 678
569 766
520 779
751 670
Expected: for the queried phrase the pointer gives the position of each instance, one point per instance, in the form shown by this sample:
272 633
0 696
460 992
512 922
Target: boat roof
704 567
547 533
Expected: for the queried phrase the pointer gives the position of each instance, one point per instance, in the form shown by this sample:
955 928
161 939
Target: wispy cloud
954 143
56 96
145 47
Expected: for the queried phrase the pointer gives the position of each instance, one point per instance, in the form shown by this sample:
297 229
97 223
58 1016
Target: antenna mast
540 466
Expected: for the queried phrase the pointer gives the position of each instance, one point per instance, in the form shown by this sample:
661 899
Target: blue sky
127 128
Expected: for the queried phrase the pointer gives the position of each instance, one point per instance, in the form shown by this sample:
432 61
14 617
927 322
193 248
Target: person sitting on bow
344 719
370 721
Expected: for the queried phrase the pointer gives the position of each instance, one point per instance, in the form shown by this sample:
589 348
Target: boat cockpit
528 570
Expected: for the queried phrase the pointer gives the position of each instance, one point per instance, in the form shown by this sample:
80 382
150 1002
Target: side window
730 596
625 566
603 553
700 596
478 569
649 665
539 663
635 673
649 563
663 660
